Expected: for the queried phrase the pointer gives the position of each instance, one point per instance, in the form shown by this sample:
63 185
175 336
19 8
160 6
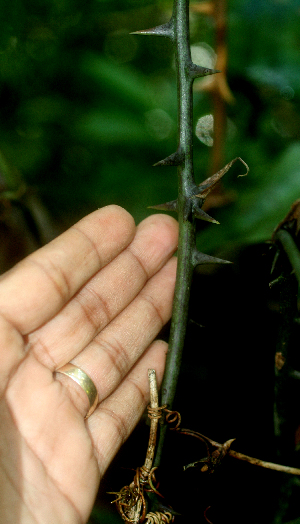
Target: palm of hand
98 295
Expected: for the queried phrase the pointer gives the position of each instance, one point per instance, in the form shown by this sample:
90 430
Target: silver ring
84 381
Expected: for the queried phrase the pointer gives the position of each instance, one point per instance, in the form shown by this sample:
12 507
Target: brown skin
98 295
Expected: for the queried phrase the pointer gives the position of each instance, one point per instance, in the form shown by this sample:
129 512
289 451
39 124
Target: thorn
166 30
227 445
175 159
197 71
278 280
275 260
201 258
168 206
207 185
199 213
191 321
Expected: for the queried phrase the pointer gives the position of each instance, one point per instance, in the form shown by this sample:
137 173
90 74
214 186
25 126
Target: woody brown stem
263 464
154 417
235 454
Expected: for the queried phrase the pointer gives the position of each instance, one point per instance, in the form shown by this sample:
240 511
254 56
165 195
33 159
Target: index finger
33 291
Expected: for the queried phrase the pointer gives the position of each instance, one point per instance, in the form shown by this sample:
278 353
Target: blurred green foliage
86 108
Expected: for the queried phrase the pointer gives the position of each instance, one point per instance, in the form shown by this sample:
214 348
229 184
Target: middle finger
106 294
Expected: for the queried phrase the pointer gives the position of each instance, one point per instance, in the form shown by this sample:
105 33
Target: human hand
98 295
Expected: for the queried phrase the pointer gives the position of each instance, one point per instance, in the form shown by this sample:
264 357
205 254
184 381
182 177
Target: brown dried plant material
159 517
131 502
279 360
216 451
208 185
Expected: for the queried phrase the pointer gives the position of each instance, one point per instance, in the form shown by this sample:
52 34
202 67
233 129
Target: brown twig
215 457
154 413
263 464
130 500
217 86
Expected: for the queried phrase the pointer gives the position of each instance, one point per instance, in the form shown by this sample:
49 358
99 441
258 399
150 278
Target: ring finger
116 349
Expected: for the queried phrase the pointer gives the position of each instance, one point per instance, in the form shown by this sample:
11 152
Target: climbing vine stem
186 72
190 196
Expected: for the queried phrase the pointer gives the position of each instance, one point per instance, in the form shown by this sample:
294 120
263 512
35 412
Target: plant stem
235 454
154 420
186 221
263 464
291 250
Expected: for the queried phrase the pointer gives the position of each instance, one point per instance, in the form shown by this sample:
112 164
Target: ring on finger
84 381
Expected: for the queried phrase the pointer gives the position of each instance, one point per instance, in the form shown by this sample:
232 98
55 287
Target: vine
191 197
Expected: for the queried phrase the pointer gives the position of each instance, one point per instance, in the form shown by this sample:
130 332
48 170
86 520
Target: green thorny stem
190 196
186 188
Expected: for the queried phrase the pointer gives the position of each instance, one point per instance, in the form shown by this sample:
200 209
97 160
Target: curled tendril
148 477
205 515
172 417
159 518
156 412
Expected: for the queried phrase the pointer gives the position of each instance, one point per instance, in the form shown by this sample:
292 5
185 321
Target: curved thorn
207 185
201 258
168 206
166 30
226 446
175 159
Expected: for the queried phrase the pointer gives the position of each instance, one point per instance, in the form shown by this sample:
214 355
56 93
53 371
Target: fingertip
157 240
116 220
120 214
37 288
166 223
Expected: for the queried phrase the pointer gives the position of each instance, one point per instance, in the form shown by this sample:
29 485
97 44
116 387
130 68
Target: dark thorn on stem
168 206
199 213
199 258
196 71
166 30
175 159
